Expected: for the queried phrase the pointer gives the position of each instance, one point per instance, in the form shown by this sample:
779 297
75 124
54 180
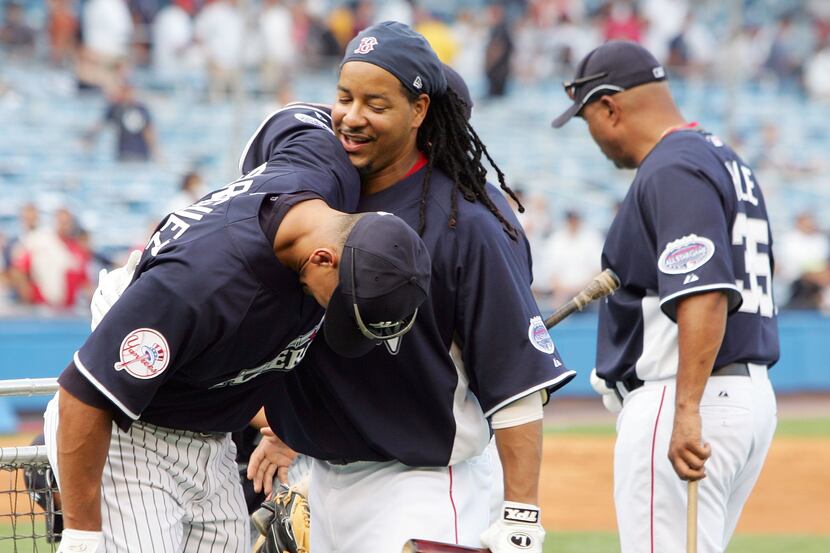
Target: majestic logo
287 359
539 336
418 83
691 277
144 354
686 254
367 44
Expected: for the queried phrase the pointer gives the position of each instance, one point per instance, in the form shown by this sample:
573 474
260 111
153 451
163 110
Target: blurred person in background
691 50
787 52
817 72
575 249
190 191
107 31
220 30
16 36
622 21
802 255
134 125
438 34
276 26
52 266
172 31
498 53
62 28
402 11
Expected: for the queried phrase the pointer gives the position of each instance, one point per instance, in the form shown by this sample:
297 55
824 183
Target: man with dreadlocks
400 436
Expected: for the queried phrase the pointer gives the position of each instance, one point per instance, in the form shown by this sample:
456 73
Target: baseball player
218 310
687 339
400 436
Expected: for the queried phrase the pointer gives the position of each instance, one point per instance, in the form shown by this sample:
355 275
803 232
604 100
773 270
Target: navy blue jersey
694 220
211 315
478 344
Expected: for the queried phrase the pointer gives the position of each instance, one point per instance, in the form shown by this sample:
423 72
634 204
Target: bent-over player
688 338
218 308
399 437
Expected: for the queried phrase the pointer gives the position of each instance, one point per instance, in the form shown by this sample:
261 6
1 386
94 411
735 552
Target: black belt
732 369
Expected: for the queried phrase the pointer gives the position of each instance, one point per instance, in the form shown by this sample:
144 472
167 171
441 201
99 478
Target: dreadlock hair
451 144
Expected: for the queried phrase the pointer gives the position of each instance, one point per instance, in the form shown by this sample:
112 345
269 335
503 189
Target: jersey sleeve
150 331
507 351
692 237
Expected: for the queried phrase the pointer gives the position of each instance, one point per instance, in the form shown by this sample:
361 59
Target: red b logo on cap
367 44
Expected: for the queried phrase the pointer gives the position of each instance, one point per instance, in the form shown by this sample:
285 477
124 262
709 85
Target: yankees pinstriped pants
167 491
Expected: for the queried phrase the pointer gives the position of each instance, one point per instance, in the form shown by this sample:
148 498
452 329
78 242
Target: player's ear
419 108
324 257
610 109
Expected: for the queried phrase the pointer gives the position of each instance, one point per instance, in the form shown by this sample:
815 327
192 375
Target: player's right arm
83 442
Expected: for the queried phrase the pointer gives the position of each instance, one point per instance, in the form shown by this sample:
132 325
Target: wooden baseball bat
603 284
426 546
691 518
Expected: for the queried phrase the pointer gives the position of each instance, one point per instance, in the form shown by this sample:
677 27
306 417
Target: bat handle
691 518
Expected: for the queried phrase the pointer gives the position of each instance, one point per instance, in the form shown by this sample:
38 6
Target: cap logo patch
418 84
539 336
144 354
367 44
685 254
658 72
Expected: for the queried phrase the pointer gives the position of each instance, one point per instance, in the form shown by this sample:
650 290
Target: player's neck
659 126
306 226
391 174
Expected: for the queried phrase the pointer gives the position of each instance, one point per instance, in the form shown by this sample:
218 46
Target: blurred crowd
213 49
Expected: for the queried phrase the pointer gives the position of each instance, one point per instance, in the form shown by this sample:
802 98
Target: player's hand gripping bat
603 284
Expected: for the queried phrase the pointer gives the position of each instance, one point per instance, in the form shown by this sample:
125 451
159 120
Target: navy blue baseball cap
406 54
613 67
385 272
456 83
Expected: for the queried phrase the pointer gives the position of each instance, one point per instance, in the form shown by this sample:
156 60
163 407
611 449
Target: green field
787 428
561 542
601 542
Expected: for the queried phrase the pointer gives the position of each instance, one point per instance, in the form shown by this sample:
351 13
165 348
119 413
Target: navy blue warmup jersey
211 315
694 220
478 344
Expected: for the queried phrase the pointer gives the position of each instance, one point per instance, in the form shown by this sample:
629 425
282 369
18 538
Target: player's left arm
701 325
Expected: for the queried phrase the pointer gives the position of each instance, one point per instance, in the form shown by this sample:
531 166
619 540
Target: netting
28 512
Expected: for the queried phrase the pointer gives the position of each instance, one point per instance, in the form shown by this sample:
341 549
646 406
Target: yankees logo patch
685 254
539 336
367 44
144 354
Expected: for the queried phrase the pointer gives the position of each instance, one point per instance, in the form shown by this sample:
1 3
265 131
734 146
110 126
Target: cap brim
566 116
340 328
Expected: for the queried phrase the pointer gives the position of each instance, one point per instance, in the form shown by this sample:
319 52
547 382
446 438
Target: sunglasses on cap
386 330
570 86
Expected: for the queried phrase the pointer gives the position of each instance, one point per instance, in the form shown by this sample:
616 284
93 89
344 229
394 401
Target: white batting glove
517 531
80 541
610 399
110 287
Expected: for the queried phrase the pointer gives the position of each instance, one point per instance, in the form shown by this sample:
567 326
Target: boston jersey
693 220
478 344
211 315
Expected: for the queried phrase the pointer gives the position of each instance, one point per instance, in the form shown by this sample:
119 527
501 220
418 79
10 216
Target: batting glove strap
80 541
517 531
610 400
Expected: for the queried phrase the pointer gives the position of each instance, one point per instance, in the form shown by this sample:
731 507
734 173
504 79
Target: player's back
693 220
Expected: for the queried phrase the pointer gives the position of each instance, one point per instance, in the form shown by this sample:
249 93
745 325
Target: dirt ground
790 497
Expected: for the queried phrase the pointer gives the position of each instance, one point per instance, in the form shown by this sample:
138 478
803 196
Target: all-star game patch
539 336
685 254
144 354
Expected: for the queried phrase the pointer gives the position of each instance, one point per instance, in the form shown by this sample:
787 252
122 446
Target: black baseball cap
613 67
385 272
406 54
